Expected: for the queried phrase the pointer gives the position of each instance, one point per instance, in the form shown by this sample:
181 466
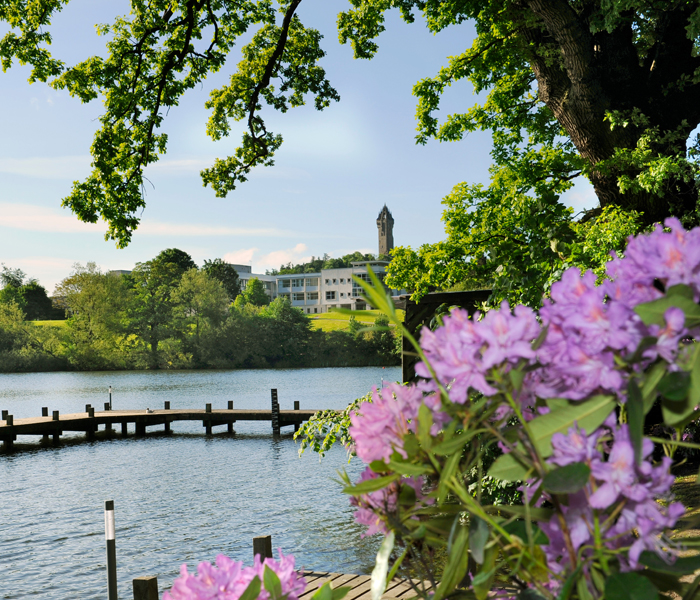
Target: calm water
182 498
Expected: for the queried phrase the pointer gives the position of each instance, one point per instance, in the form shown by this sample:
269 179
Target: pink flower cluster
623 492
372 508
586 327
229 579
379 430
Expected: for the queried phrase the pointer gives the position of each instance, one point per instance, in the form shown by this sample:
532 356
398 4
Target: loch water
178 499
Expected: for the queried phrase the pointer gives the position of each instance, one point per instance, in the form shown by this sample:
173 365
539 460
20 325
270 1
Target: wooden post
166 404
140 426
125 428
107 406
4 415
230 404
207 420
111 551
262 545
44 411
9 420
167 426
87 407
146 588
275 413
90 432
9 441
55 415
230 423
296 407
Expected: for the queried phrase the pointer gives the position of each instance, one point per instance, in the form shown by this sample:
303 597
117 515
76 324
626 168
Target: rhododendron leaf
478 536
568 586
677 414
645 343
529 594
589 415
629 586
381 567
652 313
519 528
272 583
447 472
379 466
568 479
534 514
509 468
681 566
452 445
252 591
649 391
457 561
370 485
516 378
635 418
674 386
540 338
584 593
410 444
406 468
407 496
694 366
483 581
425 423
680 289
556 403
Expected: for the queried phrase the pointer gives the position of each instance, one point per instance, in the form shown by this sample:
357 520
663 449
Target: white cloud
48 270
49 167
240 257
580 197
38 218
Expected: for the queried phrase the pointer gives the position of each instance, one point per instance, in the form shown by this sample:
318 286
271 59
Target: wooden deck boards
398 589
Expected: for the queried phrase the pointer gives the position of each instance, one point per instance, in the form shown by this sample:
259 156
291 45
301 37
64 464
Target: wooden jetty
53 426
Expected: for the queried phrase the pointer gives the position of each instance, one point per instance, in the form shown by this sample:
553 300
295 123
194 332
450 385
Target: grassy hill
333 321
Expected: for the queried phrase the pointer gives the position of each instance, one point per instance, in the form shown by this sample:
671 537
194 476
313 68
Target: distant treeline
169 314
325 262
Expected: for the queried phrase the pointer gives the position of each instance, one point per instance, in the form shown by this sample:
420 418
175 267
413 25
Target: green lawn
48 323
333 321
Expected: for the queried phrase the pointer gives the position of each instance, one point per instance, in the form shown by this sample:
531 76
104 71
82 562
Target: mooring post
262 545
296 407
4 415
125 428
90 431
87 408
230 404
146 588
275 413
106 406
9 441
110 397
166 405
111 551
57 432
45 413
207 420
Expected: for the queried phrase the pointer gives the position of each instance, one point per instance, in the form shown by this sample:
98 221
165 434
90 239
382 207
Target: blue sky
334 172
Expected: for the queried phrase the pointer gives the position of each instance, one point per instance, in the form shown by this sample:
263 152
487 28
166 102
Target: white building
316 293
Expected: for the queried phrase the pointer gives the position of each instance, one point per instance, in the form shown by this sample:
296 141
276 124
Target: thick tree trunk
603 72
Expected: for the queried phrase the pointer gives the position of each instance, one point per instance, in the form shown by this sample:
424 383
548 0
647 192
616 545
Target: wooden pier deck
398 589
54 425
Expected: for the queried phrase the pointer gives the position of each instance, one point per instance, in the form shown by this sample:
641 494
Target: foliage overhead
607 89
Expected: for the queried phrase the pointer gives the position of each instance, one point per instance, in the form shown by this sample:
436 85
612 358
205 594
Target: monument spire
385 225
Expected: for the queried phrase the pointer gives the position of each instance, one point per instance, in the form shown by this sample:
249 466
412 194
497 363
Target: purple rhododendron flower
373 508
229 579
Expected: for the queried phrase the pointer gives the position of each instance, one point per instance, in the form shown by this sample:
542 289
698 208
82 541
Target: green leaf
635 418
406 468
252 591
425 423
694 391
519 528
651 381
629 586
457 561
483 581
681 566
535 514
568 586
381 567
478 536
680 289
530 594
568 479
674 386
370 485
676 414
653 312
324 592
452 445
508 468
589 415
447 472
272 583
341 592
379 466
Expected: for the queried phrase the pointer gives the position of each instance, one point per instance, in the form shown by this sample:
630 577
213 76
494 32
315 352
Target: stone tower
385 225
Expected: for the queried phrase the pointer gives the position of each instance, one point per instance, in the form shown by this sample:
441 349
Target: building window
335 281
297 283
342 281
315 310
312 295
284 296
312 282
284 283
342 294
328 281
330 295
298 296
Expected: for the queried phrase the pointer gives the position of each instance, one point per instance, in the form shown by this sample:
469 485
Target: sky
333 174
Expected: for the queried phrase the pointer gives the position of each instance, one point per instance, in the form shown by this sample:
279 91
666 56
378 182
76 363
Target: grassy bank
333 321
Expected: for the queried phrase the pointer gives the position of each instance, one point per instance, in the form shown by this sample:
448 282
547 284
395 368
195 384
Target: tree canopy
602 89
